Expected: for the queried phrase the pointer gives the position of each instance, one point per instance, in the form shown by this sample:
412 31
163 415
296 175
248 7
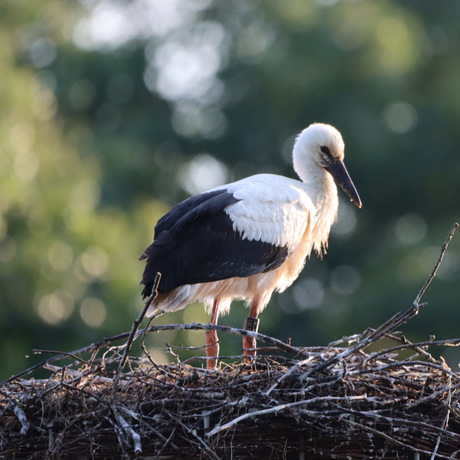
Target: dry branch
337 401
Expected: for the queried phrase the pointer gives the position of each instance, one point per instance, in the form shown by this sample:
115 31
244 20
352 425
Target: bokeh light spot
94 262
93 312
346 220
345 280
400 117
43 52
55 308
410 229
308 293
202 173
60 256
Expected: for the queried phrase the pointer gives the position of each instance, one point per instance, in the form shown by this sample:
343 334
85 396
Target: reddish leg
212 341
251 323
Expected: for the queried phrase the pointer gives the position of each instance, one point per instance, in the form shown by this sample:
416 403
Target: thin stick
287 374
438 263
416 347
445 422
37 351
137 322
126 427
281 407
21 416
230 330
387 437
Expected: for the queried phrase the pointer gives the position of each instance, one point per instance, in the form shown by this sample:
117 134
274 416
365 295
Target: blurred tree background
112 111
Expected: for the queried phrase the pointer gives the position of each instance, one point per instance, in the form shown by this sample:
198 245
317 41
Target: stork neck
322 191
319 182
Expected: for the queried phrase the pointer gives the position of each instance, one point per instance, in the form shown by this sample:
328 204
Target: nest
335 402
339 401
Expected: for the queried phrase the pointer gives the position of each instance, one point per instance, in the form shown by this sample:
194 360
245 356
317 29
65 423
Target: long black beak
340 174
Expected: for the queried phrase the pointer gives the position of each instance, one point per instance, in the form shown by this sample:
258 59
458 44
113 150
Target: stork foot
212 349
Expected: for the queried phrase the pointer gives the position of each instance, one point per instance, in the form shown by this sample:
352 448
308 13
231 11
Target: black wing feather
195 243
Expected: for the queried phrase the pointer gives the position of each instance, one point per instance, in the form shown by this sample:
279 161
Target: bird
246 239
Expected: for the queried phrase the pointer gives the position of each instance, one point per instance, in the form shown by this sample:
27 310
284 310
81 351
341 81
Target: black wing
195 243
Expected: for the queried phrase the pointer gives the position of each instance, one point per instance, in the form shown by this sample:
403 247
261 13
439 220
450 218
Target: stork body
247 239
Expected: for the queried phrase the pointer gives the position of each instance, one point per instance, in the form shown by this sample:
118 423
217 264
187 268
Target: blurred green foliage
113 111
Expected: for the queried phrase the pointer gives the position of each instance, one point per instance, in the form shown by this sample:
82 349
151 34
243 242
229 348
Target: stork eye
326 155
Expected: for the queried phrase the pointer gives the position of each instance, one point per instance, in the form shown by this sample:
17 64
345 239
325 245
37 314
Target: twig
416 346
193 432
78 375
208 449
166 442
445 422
133 332
287 374
387 437
438 264
93 347
21 416
230 330
282 407
36 351
128 430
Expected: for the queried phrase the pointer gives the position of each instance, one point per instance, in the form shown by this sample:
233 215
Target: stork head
322 145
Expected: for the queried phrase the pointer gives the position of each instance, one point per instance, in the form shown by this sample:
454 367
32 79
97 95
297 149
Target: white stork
249 238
